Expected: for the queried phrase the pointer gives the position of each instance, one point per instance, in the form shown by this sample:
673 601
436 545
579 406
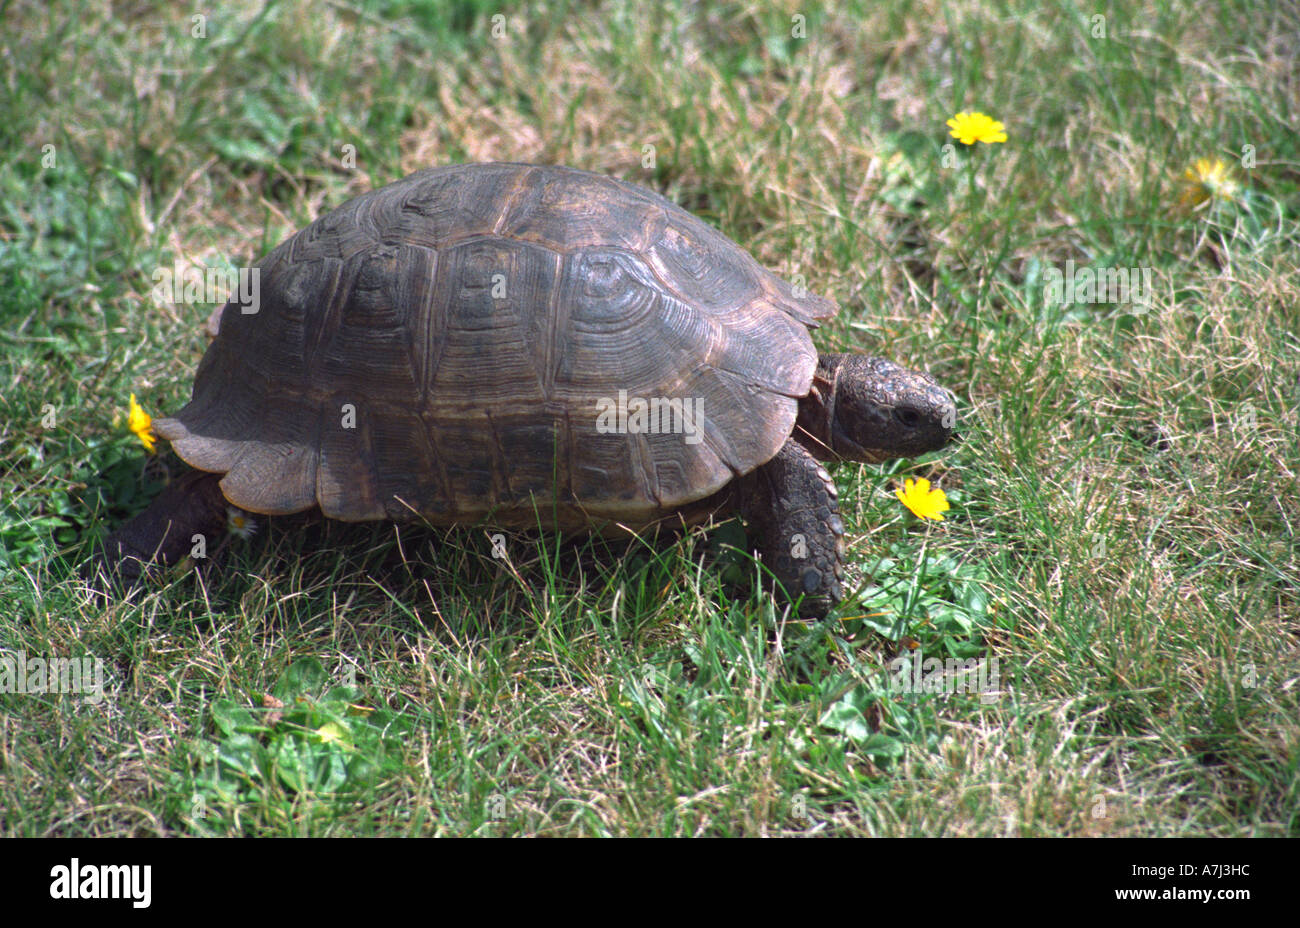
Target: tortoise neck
817 410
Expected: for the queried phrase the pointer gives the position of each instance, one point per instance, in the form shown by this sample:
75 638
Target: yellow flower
141 423
918 497
1205 180
239 522
969 128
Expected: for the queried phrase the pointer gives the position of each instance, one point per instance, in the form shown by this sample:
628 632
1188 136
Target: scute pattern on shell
470 401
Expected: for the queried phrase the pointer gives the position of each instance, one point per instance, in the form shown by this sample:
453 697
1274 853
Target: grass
1123 533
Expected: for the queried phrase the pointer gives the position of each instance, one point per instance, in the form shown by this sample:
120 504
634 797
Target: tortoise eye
908 418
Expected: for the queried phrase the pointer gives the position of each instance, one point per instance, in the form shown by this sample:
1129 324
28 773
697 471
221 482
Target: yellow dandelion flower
969 128
141 423
239 522
926 503
1207 179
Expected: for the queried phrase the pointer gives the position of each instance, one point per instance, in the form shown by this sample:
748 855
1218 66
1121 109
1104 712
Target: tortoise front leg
790 506
190 505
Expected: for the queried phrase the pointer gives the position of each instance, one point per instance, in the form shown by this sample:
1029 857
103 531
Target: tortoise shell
449 347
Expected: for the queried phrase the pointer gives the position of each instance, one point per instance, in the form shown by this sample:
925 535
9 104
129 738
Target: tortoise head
870 410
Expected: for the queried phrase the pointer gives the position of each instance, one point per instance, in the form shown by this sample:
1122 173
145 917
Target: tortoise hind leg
791 509
164 532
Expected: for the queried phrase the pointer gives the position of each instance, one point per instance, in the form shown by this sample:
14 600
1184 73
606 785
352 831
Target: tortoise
530 346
